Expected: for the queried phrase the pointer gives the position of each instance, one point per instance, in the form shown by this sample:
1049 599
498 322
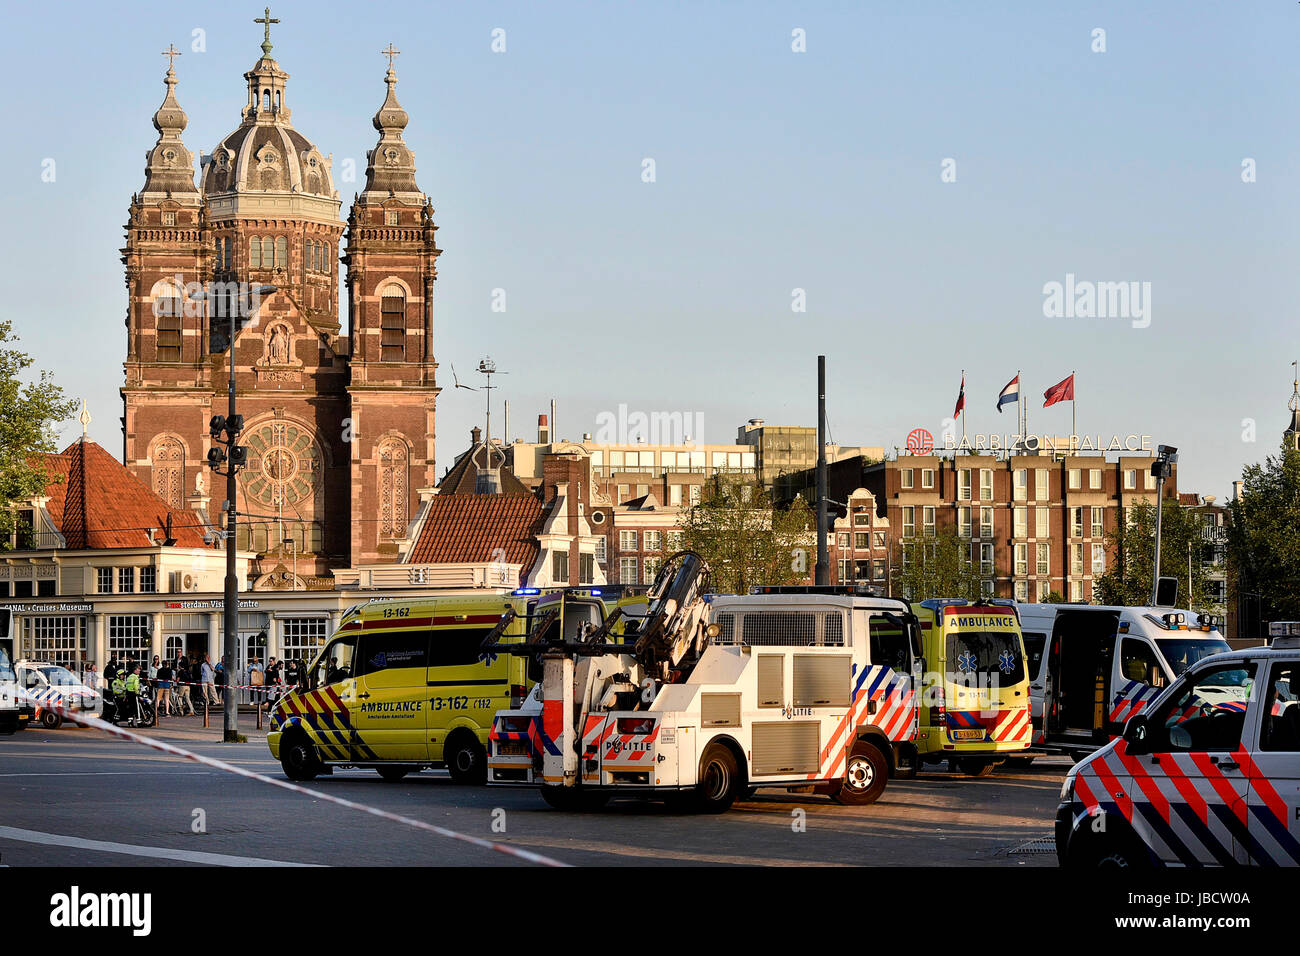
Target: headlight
1067 788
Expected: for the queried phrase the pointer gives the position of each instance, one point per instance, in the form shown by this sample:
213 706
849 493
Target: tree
1128 579
1264 535
746 540
1053 597
28 413
938 567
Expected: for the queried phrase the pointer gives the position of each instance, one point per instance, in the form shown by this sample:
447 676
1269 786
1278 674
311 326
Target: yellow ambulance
404 684
975 708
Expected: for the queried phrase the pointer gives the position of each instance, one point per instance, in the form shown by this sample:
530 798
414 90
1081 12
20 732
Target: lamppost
234 456
1162 468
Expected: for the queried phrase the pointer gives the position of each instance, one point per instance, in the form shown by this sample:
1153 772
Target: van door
1079 666
1274 769
1035 653
327 711
1137 680
391 694
465 687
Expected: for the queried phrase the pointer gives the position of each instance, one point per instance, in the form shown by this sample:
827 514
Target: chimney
1238 487
543 430
475 436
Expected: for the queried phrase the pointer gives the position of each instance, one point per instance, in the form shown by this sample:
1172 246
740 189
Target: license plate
512 749
968 735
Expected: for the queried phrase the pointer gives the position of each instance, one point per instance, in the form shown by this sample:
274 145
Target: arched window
169 312
266 99
393 480
255 253
277 99
325 257
281 252
169 471
392 324
268 252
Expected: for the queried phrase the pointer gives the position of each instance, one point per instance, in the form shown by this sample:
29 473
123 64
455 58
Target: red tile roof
97 503
462 529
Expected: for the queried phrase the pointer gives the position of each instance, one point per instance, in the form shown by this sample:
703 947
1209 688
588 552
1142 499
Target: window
1130 479
169 217
301 636
281 252
1076 592
842 540
104 580
674 495
654 540
381 652
268 252
1040 484
963 484
1020 522
1020 487
335 662
1022 560
1094 478
1075 479
1207 713
649 570
862 518
927 477
394 478
392 332
695 494
1022 591
986 484
325 258
1098 522
59 640
878 539
600 550
560 567
675 539
1076 522
845 566
390 217
1042 523
1044 589
878 569
1044 559
1098 559
927 519
627 541
906 476
622 495
1281 730
963 521
986 559
128 636
1150 480
909 521
627 570
169 337
986 522
1076 559
149 580
126 580
861 540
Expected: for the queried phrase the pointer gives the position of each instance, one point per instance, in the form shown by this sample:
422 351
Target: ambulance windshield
1182 653
985 655
6 669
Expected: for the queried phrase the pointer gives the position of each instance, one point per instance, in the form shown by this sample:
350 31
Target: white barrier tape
97 724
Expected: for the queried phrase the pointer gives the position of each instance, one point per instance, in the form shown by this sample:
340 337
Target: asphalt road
75 797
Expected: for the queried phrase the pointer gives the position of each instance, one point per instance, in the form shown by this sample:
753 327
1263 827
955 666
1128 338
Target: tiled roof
97 503
462 529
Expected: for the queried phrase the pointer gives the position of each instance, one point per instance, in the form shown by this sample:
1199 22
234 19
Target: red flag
961 398
1060 392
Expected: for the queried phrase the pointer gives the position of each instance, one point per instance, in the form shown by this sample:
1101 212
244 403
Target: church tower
391 267
1292 434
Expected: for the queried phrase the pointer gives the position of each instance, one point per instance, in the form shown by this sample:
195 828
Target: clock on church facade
339 403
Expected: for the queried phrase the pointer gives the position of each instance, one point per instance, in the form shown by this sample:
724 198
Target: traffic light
216 456
234 425
238 456
216 426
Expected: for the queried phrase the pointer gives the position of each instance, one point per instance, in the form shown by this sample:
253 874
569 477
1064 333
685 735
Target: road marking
112 773
157 852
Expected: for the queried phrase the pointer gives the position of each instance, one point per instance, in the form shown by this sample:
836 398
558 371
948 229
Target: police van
975 694
1093 666
50 683
403 685
1207 774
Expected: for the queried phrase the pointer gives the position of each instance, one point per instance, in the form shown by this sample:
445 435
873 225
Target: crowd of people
184 686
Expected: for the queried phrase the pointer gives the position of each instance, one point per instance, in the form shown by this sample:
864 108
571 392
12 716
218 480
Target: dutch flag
1009 394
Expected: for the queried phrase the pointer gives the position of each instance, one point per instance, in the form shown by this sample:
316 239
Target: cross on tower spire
267 20
390 53
1294 404
171 53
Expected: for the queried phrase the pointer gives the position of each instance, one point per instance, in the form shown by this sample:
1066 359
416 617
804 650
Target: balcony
26 539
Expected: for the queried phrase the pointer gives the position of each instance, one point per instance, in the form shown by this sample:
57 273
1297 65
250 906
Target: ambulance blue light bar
521 591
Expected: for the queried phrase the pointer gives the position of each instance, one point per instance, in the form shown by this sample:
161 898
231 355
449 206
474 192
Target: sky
920 171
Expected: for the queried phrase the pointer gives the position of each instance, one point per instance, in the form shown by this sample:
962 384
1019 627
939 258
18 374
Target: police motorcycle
144 713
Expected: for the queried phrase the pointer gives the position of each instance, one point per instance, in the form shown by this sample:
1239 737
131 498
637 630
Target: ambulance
975 694
11 713
1093 666
1208 773
402 684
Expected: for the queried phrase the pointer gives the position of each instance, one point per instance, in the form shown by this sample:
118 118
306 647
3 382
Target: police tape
96 723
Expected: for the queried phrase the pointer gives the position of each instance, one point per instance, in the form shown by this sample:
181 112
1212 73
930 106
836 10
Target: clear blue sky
775 171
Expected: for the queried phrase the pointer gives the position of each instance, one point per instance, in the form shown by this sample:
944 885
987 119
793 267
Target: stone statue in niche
278 346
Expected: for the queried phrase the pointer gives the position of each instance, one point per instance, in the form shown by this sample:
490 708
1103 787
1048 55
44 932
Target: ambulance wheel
298 758
466 760
51 720
573 799
1020 762
720 780
974 767
395 772
865 775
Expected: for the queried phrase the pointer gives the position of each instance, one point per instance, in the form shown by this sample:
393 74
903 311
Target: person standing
132 687
111 671
209 680
182 691
164 684
153 669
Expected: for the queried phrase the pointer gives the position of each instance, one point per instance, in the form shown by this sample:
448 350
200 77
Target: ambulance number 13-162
459 703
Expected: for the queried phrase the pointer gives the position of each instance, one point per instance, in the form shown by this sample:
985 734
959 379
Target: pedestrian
111 671
153 669
164 685
118 689
132 686
256 681
209 680
273 682
182 691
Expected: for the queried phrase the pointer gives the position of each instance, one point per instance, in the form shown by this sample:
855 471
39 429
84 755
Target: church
339 426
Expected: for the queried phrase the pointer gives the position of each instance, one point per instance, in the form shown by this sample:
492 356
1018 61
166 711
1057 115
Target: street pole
1166 456
823 572
230 703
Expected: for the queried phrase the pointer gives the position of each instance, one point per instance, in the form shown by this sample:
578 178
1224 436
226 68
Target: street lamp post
1162 468
234 456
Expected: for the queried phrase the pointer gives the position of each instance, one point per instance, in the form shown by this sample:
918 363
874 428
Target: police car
1207 774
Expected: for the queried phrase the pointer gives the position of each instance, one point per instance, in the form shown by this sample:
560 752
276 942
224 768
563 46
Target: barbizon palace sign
1133 443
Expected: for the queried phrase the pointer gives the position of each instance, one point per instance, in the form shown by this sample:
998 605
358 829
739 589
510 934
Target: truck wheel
50 720
394 772
1119 852
466 760
574 799
720 781
975 766
865 775
298 758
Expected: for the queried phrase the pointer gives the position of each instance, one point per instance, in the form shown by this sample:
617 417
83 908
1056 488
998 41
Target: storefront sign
208 605
65 608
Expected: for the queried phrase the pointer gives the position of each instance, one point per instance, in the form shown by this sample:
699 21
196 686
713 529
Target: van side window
1035 641
384 652
1137 661
456 646
336 662
1207 713
889 646
1281 728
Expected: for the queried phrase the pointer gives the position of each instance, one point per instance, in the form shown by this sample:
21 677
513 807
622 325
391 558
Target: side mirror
1135 734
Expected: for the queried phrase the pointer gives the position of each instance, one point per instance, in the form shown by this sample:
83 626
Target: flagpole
1020 406
1074 416
963 406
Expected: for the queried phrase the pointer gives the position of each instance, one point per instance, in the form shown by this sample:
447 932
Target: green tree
1264 535
29 410
1053 597
1127 580
746 540
938 567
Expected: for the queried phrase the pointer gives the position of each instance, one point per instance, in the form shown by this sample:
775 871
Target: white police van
1207 774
